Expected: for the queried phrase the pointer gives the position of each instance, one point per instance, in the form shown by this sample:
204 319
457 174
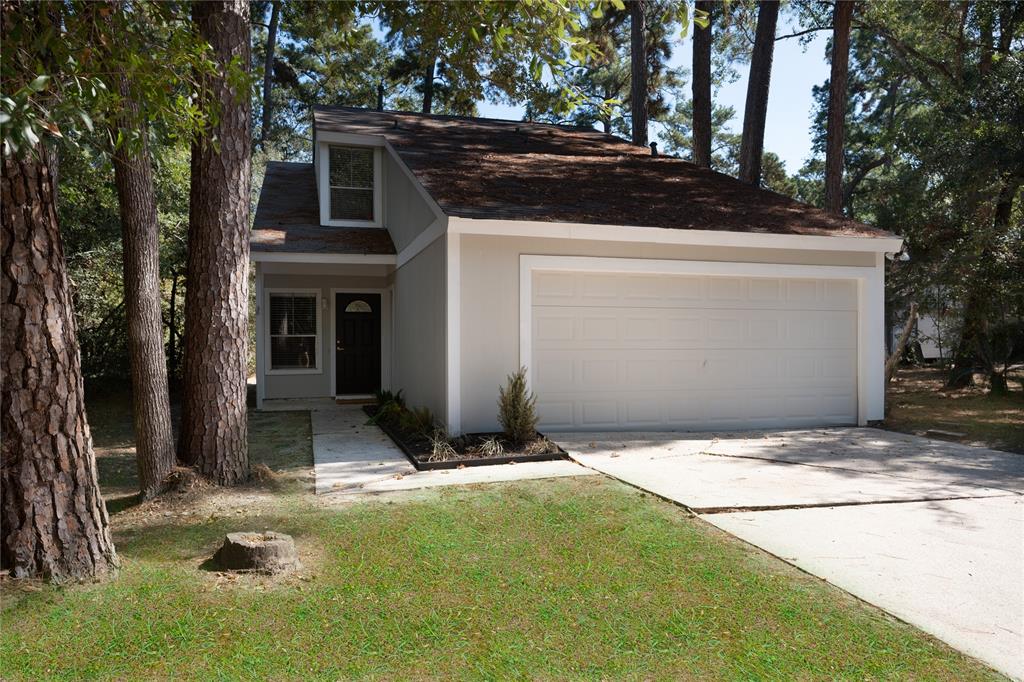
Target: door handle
338 346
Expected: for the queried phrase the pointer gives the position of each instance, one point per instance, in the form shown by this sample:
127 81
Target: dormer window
351 179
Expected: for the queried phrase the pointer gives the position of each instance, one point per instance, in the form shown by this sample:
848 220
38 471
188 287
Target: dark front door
357 343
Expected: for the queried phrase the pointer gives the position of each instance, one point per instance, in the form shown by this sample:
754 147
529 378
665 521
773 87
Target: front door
357 343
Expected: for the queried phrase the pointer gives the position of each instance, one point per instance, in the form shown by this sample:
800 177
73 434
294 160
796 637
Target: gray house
438 254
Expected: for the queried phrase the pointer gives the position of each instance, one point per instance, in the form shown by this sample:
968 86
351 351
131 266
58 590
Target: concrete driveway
930 531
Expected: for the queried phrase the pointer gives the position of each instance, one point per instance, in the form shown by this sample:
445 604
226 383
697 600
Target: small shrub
441 449
491 447
540 446
383 397
517 409
418 420
388 412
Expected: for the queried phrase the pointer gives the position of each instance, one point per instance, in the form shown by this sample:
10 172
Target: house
436 255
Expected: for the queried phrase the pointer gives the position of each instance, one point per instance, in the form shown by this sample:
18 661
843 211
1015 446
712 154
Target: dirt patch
918 402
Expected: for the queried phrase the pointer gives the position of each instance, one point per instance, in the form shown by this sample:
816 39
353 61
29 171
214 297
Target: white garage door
629 351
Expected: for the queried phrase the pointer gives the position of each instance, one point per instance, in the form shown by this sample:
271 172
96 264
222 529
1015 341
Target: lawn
918 401
565 578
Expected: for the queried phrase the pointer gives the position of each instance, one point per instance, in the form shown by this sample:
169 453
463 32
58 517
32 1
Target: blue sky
795 70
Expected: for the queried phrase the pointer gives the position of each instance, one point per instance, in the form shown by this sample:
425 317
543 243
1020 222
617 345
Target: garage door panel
691 291
615 351
573 327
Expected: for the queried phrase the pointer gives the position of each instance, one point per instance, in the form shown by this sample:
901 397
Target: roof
514 170
288 218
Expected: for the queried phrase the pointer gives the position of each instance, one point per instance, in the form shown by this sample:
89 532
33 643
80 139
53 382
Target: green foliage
87 211
934 152
386 396
517 412
602 81
419 420
63 62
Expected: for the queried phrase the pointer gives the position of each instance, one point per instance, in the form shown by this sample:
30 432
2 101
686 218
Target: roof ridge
567 127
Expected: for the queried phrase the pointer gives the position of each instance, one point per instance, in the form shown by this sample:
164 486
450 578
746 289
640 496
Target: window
358 307
293 331
350 180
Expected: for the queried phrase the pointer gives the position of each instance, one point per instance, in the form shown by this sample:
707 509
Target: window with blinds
351 183
293 331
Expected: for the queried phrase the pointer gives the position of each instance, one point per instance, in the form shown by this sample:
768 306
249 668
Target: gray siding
420 329
406 212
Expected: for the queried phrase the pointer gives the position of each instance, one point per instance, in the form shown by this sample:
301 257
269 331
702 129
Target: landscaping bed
427 452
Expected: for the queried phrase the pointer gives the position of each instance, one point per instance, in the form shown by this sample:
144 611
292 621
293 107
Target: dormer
349 178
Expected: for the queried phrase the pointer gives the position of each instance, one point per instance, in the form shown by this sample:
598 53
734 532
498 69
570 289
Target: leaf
86 119
39 84
51 127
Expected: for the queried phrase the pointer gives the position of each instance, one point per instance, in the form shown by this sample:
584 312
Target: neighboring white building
437 254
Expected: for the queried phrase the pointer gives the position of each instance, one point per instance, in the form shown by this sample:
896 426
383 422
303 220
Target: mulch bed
418 448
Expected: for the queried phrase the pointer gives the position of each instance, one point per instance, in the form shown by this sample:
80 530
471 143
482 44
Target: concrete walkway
353 457
349 453
930 531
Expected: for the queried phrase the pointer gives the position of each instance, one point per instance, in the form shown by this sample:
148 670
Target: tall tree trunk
53 523
842 16
140 237
756 108
428 86
213 421
638 70
268 73
702 88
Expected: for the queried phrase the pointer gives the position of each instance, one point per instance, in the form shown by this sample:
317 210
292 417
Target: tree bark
894 357
756 108
428 86
842 17
53 523
140 237
213 422
268 73
702 88
638 70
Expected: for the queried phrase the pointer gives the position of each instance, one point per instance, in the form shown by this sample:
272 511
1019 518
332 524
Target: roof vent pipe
654 149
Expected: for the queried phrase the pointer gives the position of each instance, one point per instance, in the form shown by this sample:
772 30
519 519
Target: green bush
517 409
417 420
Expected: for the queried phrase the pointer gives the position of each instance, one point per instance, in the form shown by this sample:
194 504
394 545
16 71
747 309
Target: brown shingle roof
484 168
288 218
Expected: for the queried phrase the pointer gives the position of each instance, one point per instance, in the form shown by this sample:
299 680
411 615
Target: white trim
453 336
661 235
870 305
318 340
324 191
424 239
261 382
305 257
351 139
386 325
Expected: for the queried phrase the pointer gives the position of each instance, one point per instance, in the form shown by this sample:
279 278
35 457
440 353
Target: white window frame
317 342
324 143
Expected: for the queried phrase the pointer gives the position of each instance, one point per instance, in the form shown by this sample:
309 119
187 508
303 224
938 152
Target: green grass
559 579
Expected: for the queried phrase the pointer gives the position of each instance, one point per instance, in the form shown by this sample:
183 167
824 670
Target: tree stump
266 552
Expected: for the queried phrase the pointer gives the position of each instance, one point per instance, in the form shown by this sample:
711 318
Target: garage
638 350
